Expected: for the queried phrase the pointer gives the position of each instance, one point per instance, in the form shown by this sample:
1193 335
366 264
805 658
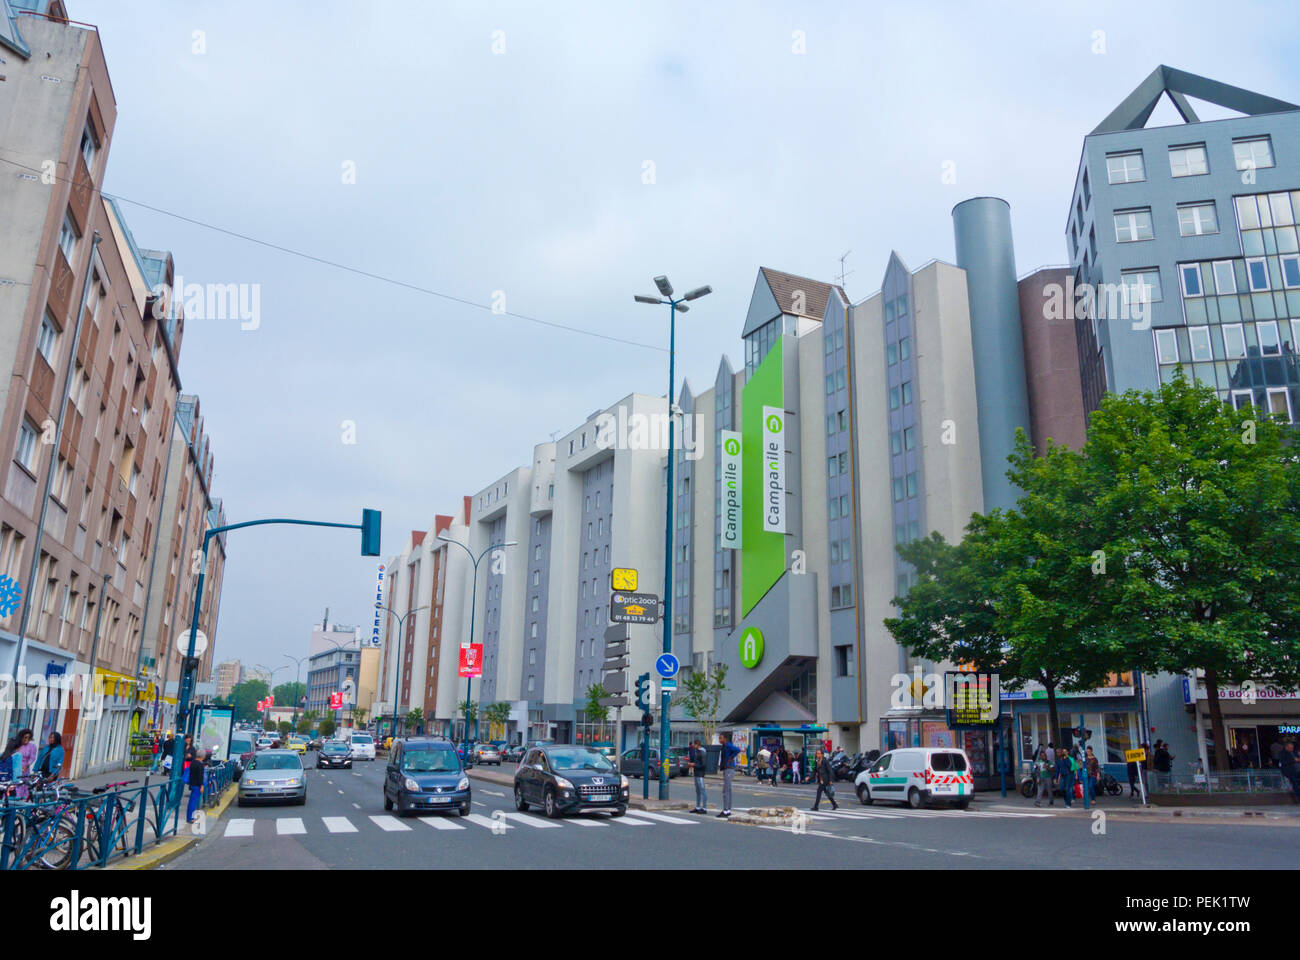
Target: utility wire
350 269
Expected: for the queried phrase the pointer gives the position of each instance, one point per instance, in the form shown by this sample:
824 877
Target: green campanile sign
751 647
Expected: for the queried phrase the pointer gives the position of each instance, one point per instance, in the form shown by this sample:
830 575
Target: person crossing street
824 776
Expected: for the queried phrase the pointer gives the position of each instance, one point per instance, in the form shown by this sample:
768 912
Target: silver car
274 775
486 753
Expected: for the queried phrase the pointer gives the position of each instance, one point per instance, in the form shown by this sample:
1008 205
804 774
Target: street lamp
473 605
397 676
297 675
675 306
270 677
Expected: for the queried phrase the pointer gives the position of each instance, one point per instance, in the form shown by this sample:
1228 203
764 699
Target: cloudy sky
563 154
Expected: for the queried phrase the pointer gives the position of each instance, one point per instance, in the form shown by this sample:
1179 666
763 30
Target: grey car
274 775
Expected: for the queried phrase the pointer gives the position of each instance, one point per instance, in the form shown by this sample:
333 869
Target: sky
555 158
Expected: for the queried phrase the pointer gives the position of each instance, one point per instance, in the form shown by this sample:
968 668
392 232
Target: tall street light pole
297 676
270 685
675 306
473 608
397 676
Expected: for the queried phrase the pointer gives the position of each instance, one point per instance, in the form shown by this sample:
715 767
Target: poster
213 725
977 749
935 734
774 469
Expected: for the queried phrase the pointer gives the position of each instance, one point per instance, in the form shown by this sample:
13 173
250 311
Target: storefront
1254 720
1112 713
930 729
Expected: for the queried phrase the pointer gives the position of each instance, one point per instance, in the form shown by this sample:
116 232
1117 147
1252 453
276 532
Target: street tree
414 717
497 715
1198 515
595 711
701 697
284 727
326 728
244 698
359 714
288 694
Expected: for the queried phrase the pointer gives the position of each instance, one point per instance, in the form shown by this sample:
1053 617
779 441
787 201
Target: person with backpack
699 761
727 764
1164 760
49 762
196 768
823 775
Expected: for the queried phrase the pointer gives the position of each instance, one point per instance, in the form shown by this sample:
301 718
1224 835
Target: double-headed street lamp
270 677
296 678
473 605
397 676
675 306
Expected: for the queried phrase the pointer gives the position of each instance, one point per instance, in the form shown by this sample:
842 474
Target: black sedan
563 779
334 753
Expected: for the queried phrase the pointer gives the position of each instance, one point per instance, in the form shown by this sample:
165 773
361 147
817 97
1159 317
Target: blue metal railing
64 828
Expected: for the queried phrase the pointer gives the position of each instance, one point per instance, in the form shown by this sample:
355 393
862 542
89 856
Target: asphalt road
344 825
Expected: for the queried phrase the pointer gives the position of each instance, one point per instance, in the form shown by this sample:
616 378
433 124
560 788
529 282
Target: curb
156 855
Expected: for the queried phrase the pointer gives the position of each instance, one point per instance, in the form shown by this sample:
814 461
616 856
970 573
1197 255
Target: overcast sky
524 171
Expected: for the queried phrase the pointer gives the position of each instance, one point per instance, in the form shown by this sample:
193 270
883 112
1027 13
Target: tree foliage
701 696
244 697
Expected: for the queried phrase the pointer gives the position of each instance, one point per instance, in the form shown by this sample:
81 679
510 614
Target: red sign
471 660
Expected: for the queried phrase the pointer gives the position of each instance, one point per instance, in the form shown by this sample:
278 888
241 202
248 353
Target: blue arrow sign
667 665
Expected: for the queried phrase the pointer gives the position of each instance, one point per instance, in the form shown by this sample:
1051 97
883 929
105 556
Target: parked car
563 779
513 754
424 773
334 753
486 753
918 776
363 746
273 775
632 764
243 747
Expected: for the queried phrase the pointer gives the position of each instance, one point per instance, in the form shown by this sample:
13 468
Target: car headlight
464 784
296 782
563 784
412 785
622 782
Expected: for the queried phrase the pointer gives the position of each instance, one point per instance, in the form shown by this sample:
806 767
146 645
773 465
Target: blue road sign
667 665
668 683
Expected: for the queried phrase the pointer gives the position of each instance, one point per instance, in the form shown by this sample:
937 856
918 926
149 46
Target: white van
917 776
363 746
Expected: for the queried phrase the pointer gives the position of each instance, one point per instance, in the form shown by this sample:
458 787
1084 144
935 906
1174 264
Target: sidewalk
1123 806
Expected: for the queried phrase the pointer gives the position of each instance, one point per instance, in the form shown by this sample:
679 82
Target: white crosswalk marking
338 825
240 828
663 817
390 824
441 823
530 820
631 822
481 821
289 825
583 822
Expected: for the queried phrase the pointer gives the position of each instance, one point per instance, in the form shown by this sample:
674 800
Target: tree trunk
1054 719
1216 720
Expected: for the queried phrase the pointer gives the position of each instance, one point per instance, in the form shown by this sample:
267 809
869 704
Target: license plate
440 799
944 789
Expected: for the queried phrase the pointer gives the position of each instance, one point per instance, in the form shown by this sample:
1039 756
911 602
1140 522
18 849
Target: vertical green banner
763 553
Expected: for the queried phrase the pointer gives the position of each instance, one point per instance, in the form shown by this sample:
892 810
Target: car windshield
578 758
241 745
336 748
276 761
430 761
359 738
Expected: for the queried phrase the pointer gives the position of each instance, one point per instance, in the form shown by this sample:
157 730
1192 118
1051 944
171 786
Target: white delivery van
918 776
363 746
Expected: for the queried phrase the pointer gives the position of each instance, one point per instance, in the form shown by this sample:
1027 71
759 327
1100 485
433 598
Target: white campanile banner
774 469
731 490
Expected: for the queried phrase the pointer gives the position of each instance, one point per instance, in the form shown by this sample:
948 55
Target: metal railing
65 828
1234 781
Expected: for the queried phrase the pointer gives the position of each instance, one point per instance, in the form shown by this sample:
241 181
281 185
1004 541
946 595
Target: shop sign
379 608
732 497
1258 692
751 647
973 699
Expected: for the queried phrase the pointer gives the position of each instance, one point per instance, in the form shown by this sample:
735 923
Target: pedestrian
727 764
1290 770
795 773
764 763
188 754
1133 775
49 762
1044 769
1164 760
699 765
1050 753
1275 751
1065 776
1093 767
196 769
822 774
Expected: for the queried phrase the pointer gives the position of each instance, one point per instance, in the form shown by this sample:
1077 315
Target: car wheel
388 804
549 804
963 804
520 803
302 801
914 799
618 812
864 795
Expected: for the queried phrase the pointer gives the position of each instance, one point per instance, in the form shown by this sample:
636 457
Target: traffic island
770 817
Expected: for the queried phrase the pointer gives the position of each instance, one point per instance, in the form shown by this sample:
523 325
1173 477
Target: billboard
471 660
972 699
213 725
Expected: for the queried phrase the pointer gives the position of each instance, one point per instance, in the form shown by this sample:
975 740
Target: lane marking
631 821
390 824
357 805
481 821
441 823
530 820
240 828
338 825
663 817
289 825
584 823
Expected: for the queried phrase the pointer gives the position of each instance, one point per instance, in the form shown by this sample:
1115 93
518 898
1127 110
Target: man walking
1043 767
1065 776
727 764
822 773
699 764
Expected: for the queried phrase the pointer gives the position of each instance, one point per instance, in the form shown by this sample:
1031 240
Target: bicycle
107 824
42 835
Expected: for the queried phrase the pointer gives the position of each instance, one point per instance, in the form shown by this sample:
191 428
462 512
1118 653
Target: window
893 398
600 526
537 576
1257 274
47 339
1242 399
898 492
1253 154
1295 334
1290 271
904 348
586 504
89 144
26 454
537 552
534 605
68 239
1197 219
1269 344
584 440
1125 167
1188 161
1191 274
896 442
891 354
1200 341
907 392
1234 341
909 438
1166 346
1225 279
532 632
1087 190
1133 225
1279 402
833 509
911 484
1142 285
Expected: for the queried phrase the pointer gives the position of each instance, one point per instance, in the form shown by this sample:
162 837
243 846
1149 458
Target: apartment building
229 675
90 403
1198 223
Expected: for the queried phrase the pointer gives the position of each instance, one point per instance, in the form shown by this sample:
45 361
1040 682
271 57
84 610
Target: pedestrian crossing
847 812
498 822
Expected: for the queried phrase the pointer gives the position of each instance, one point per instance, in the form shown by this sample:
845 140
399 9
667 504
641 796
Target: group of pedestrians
21 758
1056 768
774 764
697 757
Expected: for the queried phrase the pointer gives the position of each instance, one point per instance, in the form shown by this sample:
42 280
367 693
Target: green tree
594 710
288 694
1198 510
359 714
702 695
284 726
244 697
326 728
414 718
468 709
497 714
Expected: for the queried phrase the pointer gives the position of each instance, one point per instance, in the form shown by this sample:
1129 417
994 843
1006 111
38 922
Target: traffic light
370 533
643 688
647 720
